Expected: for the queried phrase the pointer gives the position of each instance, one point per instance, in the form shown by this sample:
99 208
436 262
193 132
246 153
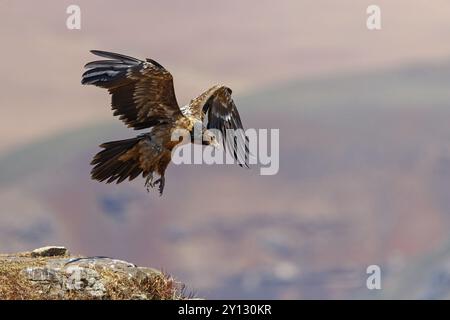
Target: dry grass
157 286
13 284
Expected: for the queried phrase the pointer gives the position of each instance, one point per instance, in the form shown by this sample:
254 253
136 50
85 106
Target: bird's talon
148 182
161 185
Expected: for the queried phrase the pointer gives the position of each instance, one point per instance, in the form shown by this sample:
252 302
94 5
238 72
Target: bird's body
143 97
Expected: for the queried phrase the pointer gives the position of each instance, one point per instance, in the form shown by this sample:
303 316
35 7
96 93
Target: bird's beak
216 144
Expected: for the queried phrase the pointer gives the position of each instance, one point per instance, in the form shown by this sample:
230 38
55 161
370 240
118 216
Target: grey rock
49 251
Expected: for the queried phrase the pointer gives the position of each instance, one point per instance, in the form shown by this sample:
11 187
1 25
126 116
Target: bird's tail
116 162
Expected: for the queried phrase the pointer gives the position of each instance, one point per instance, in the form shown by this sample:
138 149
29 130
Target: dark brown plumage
143 97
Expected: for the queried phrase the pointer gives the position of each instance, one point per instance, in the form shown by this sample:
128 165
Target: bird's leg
148 181
161 181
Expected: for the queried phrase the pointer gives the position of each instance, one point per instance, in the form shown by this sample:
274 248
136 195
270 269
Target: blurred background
364 144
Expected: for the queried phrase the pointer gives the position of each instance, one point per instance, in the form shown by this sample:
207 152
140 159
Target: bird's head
200 134
209 138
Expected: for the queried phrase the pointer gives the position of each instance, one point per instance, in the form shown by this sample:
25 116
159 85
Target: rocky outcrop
52 273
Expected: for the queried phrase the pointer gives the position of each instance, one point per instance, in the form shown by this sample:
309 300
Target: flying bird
143 96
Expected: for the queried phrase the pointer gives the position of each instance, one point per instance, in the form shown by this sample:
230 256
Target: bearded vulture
143 96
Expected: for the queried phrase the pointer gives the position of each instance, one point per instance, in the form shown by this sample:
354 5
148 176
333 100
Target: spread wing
222 115
142 91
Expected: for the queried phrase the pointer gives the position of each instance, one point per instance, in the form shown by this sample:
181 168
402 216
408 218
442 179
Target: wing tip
114 55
